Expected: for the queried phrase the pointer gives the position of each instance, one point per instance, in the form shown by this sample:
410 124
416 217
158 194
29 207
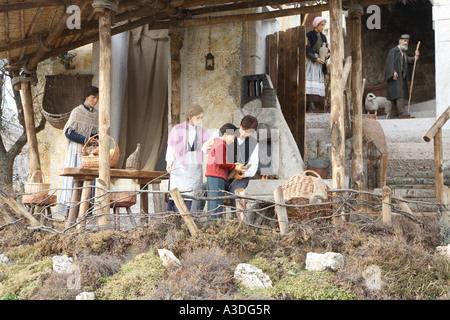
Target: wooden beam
386 205
437 125
357 93
34 162
90 38
337 107
18 209
438 159
50 40
184 211
176 43
337 98
251 16
230 6
280 210
104 117
7 7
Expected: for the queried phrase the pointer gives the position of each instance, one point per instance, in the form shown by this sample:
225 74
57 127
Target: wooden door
286 66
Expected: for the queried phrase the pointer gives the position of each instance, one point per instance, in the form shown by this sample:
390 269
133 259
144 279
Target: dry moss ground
125 265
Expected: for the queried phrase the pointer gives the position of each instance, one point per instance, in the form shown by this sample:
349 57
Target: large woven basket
298 190
89 161
37 188
57 101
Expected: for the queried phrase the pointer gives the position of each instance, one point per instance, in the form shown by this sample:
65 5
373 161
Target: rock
4 258
321 262
443 250
61 264
168 258
251 277
86 296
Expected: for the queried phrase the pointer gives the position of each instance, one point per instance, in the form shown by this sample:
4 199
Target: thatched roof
34 30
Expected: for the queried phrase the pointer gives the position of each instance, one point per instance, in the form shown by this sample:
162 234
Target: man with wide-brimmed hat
398 73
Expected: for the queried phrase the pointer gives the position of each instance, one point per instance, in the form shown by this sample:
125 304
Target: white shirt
253 160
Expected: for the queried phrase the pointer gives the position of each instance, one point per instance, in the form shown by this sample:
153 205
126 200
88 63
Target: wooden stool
122 200
32 201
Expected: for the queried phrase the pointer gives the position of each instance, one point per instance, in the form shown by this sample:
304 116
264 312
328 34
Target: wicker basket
298 190
57 101
37 188
93 161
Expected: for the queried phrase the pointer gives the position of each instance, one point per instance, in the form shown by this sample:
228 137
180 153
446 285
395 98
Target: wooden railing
435 132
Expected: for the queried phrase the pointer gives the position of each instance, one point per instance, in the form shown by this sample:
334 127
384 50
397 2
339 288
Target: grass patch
136 279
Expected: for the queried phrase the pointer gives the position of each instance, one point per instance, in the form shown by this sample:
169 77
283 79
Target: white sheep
374 103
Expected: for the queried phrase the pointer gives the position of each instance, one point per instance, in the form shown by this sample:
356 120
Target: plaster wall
441 21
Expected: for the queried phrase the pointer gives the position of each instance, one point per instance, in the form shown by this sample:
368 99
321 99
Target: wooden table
83 177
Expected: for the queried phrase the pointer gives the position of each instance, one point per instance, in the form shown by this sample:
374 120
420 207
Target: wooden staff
412 80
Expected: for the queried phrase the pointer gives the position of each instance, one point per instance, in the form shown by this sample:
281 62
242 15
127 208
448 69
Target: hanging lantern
209 61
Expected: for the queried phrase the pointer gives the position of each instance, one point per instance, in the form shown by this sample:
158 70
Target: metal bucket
269 98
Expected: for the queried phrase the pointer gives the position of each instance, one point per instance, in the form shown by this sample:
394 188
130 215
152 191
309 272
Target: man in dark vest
245 150
398 73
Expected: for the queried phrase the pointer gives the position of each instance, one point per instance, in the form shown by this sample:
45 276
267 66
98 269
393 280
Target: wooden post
18 209
144 204
176 42
438 174
158 201
104 117
34 162
356 12
383 169
84 205
403 205
337 106
184 211
386 206
74 202
280 211
241 205
301 91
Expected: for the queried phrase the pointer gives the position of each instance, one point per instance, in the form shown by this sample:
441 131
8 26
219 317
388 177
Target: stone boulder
443 250
86 296
251 277
4 258
326 261
61 264
168 258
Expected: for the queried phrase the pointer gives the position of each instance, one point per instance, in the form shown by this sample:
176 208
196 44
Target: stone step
412 181
409 193
416 174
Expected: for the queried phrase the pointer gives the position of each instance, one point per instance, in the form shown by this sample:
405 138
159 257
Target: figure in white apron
184 154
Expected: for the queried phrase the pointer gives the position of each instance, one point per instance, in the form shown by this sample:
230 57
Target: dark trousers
215 187
171 204
230 186
398 106
172 207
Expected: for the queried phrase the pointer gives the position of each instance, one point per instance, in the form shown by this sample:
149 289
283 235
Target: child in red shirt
217 167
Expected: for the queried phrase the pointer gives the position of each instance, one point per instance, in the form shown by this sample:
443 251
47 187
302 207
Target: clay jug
134 160
323 51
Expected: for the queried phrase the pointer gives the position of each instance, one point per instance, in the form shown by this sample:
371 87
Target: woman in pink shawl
184 156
